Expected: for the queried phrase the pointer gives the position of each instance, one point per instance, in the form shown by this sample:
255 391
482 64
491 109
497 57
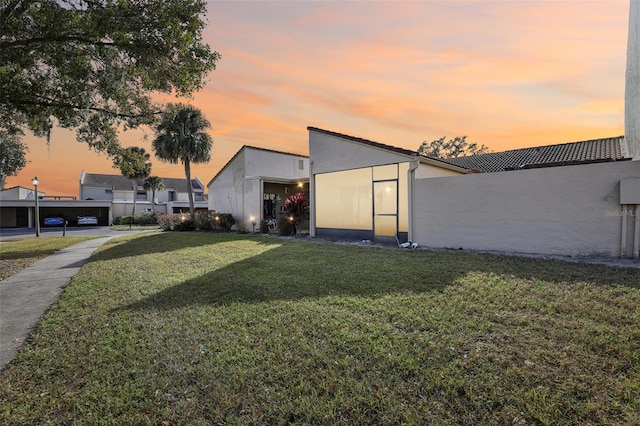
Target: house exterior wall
331 153
95 193
263 163
226 190
238 188
18 193
429 171
570 210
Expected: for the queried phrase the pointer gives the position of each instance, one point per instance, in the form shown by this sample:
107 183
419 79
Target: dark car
54 220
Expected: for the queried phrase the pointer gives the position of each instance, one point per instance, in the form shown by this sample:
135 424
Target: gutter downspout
636 234
312 201
623 239
413 165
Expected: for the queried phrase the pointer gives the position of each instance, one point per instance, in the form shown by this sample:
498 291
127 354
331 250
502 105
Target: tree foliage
181 137
153 184
134 164
93 64
12 155
452 148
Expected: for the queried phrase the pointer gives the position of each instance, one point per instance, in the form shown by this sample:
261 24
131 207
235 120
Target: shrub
264 228
168 222
204 221
142 218
286 226
145 218
122 220
223 221
185 225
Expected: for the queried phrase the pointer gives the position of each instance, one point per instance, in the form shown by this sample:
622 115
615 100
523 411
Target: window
108 191
343 200
172 195
301 164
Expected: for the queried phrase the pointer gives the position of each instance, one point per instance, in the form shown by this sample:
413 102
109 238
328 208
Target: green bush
264 228
223 221
185 225
145 218
142 218
286 226
204 221
167 222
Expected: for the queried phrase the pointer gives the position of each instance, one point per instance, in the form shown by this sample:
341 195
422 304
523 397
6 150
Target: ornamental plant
297 207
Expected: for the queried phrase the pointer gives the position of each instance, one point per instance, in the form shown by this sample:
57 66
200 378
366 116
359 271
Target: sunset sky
508 74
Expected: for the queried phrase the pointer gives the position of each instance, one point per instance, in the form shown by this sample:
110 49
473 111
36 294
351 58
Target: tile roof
121 183
591 151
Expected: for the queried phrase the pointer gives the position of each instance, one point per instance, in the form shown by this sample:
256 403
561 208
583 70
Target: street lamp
35 183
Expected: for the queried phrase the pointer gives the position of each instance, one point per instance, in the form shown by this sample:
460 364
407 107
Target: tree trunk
187 172
134 185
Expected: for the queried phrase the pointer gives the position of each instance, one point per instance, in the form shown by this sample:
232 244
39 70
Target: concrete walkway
27 295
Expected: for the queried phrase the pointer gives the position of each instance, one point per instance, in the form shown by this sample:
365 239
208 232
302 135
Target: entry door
385 209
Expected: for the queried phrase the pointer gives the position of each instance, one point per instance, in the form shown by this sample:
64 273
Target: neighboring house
119 190
19 193
570 199
17 208
255 182
566 154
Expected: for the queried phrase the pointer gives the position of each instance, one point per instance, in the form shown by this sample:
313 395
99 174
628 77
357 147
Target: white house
255 182
174 198
360 188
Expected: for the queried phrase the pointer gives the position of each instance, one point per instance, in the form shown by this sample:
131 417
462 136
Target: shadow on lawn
162 242
295 270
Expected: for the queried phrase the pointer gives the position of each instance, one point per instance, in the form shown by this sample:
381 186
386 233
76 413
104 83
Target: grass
134 227
18 254
196 328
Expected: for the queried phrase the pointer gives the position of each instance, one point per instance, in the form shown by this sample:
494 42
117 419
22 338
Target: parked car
54 220
87 219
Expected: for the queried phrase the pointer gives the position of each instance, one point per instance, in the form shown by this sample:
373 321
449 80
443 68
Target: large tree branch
50 103
57 39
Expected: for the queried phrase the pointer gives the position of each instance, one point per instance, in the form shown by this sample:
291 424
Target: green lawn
199 328
18 254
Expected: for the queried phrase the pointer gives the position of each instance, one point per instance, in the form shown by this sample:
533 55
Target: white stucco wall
430 171
330 153
571 210
95 193
238 188
225 191
265 163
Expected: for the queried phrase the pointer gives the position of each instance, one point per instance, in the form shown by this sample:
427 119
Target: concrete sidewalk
27 295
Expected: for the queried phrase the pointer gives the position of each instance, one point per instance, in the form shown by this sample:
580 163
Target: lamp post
35 183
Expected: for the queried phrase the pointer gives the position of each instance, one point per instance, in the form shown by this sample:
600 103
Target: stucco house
17 207
255 182
578 198
119 190
360 189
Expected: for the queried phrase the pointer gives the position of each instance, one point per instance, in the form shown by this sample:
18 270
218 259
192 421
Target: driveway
72 231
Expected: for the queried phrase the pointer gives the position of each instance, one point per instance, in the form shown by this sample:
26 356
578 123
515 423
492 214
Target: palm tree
134 164
180 137
153 183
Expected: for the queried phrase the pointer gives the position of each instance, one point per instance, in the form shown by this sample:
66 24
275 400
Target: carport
21 213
